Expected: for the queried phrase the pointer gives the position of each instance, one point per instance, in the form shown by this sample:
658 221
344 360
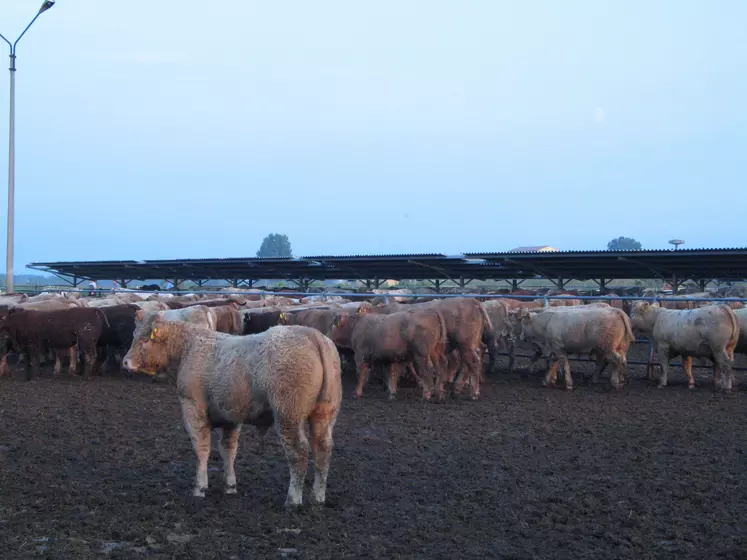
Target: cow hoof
569 388
231 489
357 395
391 396
660 386
199 492
691 386
292 505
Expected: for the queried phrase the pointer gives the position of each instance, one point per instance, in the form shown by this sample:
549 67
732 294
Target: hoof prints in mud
105 467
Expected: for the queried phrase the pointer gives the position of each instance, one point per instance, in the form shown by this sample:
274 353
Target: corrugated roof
724 263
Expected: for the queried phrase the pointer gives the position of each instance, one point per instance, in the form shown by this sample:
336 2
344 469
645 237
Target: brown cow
320 319
466 321
416 337
228 319
289 376
62 330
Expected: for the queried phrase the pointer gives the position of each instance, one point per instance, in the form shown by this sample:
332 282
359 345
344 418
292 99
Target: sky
156 130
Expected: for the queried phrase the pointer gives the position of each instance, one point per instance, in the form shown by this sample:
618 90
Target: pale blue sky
172 129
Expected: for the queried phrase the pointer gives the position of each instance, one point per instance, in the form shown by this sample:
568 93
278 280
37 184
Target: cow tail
212 320
628 328
487 324
330 392
734 338
444 332
103 316
238 323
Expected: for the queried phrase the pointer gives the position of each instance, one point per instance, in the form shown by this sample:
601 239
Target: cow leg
33 359
724 365
363 369
650 365
551 377
320 426
228 446
89 355
58 354
424 372
440 377
261 433
73 366
664 357
296 446
4 365
393 378
511 348
568 378
601 364
687 365
476 368
103 367
198 428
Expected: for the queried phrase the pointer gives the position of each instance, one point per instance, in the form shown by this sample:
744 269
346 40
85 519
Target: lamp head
46 5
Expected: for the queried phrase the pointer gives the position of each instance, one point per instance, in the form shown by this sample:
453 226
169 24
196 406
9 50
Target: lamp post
11 148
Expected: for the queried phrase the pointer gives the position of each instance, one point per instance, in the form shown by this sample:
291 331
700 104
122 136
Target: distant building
534 249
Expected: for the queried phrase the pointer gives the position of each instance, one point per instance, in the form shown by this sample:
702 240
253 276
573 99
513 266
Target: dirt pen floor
104 467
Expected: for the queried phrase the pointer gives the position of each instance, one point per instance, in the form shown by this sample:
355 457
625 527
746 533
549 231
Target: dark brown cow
260 320
116 338
30 331
417 337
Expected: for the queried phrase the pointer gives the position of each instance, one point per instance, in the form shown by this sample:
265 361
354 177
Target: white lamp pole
9 287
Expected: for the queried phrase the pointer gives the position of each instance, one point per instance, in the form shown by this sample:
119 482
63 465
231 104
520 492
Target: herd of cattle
437 341
267 360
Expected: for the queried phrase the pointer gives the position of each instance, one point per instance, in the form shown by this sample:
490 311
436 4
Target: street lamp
11 147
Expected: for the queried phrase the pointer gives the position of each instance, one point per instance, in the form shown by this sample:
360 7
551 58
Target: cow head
643 316
525 322
282 318
152 347
342 327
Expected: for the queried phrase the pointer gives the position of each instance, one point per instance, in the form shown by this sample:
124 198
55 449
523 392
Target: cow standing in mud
703 332
417 337
287 376
558 331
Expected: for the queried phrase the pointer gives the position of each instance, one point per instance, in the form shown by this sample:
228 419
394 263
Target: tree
624 244
275 245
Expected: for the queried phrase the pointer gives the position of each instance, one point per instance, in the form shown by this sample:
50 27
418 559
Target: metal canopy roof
580 265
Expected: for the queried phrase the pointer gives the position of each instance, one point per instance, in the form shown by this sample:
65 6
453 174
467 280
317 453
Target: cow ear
139 315
155 333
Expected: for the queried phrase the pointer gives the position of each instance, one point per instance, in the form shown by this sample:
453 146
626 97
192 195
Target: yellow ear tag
153 334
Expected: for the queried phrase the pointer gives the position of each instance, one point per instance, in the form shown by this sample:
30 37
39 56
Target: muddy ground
104 466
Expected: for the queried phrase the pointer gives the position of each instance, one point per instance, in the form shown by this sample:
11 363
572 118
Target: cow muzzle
128 365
